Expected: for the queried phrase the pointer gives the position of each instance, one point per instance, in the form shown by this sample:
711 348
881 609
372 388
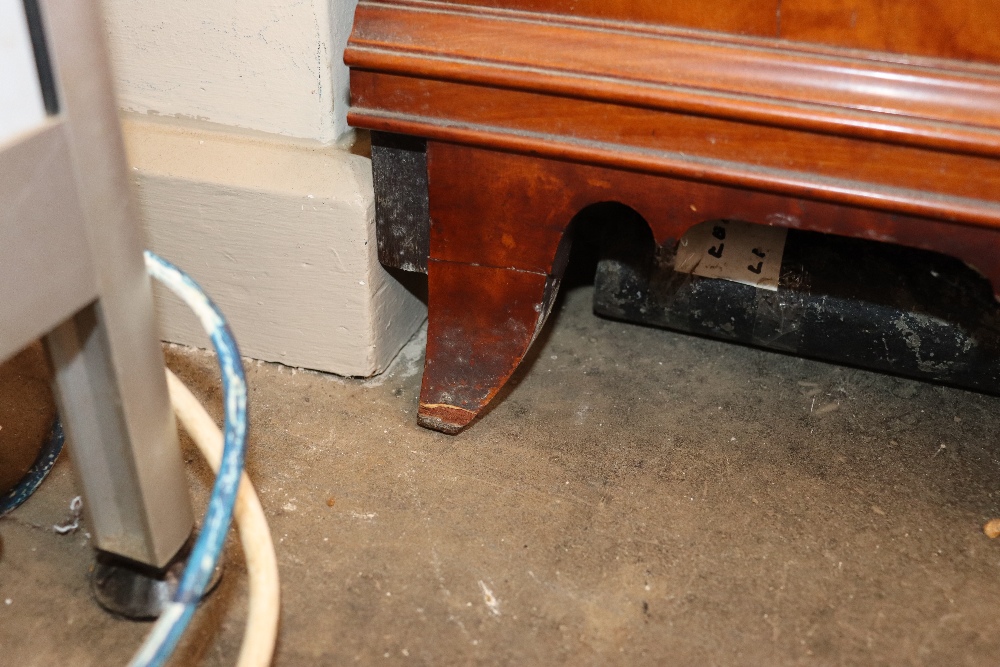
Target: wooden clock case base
527 119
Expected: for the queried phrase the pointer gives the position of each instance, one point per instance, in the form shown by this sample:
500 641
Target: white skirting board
281 234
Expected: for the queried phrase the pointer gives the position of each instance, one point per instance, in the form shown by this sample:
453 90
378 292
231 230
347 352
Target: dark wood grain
524 204
481 322
748 17
935 28
533 112
640 137
499 236
941 28
689 71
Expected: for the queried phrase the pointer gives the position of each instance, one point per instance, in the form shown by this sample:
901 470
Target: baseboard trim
281 234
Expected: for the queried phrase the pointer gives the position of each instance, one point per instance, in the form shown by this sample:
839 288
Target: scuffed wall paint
276 67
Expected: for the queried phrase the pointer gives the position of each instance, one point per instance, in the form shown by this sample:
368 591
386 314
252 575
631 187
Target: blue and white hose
205 554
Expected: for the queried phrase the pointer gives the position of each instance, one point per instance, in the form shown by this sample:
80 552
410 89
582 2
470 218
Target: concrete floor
637 497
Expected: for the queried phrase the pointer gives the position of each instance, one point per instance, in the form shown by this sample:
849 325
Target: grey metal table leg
109 382
116 412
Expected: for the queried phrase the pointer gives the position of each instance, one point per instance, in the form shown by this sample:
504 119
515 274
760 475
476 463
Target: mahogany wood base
500 237
533 110
481 322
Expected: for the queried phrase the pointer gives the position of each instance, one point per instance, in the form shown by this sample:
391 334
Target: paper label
732 250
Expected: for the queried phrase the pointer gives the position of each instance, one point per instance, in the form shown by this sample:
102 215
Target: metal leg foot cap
135 591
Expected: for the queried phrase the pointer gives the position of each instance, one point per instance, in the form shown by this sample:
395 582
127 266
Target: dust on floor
636 497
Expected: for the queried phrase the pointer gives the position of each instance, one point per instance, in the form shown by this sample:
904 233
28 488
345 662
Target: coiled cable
38 471
232 492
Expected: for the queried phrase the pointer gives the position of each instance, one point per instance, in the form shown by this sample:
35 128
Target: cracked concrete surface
635 497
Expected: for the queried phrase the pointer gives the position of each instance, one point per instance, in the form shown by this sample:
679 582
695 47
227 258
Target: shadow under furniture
497 123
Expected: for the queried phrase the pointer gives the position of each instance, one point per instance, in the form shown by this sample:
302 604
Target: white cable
261 632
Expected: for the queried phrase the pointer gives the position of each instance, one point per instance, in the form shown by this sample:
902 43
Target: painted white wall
268 65
236 135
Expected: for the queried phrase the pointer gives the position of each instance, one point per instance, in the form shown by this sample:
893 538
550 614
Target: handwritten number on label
756 269
759 253
716 252
719 232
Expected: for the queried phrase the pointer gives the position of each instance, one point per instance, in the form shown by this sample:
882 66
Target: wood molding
926 102
811 184
917 138
890 31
